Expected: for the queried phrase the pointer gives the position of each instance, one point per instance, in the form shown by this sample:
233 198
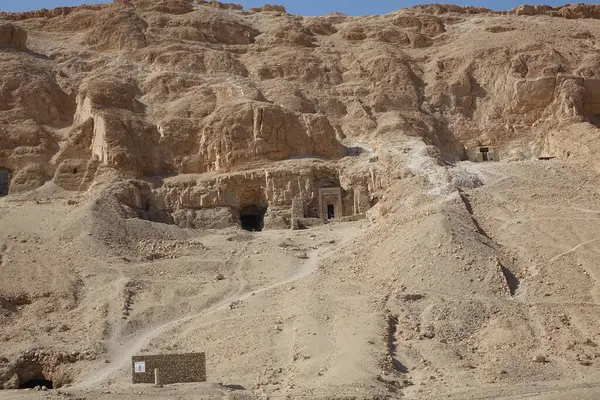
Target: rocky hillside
154 87
124 125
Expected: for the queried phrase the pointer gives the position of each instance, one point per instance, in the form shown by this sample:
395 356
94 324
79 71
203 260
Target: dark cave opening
5 176
32 383
330 211
252 218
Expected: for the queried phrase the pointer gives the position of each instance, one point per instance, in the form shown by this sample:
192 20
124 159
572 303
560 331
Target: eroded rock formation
161 88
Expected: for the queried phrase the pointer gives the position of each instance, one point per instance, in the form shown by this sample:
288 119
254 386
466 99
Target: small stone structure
297 212
174 368
485 153
5 176
330 203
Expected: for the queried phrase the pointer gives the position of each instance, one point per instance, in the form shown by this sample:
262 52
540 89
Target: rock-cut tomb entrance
253 207
252 217
5 175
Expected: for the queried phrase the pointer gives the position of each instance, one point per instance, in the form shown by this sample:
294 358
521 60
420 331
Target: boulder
12 383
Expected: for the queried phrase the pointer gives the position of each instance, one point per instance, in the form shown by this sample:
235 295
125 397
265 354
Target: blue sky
303 7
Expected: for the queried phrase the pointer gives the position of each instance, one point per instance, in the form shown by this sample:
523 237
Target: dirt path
126 350
575 248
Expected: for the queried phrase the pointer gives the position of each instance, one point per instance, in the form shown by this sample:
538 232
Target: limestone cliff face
171 87
189 200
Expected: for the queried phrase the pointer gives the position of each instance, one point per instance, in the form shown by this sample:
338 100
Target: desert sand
139 133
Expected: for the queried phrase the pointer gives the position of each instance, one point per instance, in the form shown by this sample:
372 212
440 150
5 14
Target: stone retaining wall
173 368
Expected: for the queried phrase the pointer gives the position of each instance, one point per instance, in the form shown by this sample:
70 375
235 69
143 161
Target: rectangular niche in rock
485 153
5 176
330 203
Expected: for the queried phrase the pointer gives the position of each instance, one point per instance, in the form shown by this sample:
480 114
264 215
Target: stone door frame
330 196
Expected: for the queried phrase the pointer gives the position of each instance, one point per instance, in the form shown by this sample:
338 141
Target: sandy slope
320 325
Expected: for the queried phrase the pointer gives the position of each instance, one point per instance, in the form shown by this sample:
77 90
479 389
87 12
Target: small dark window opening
74 170
4 181
330 211
32 383
252 218
484 149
